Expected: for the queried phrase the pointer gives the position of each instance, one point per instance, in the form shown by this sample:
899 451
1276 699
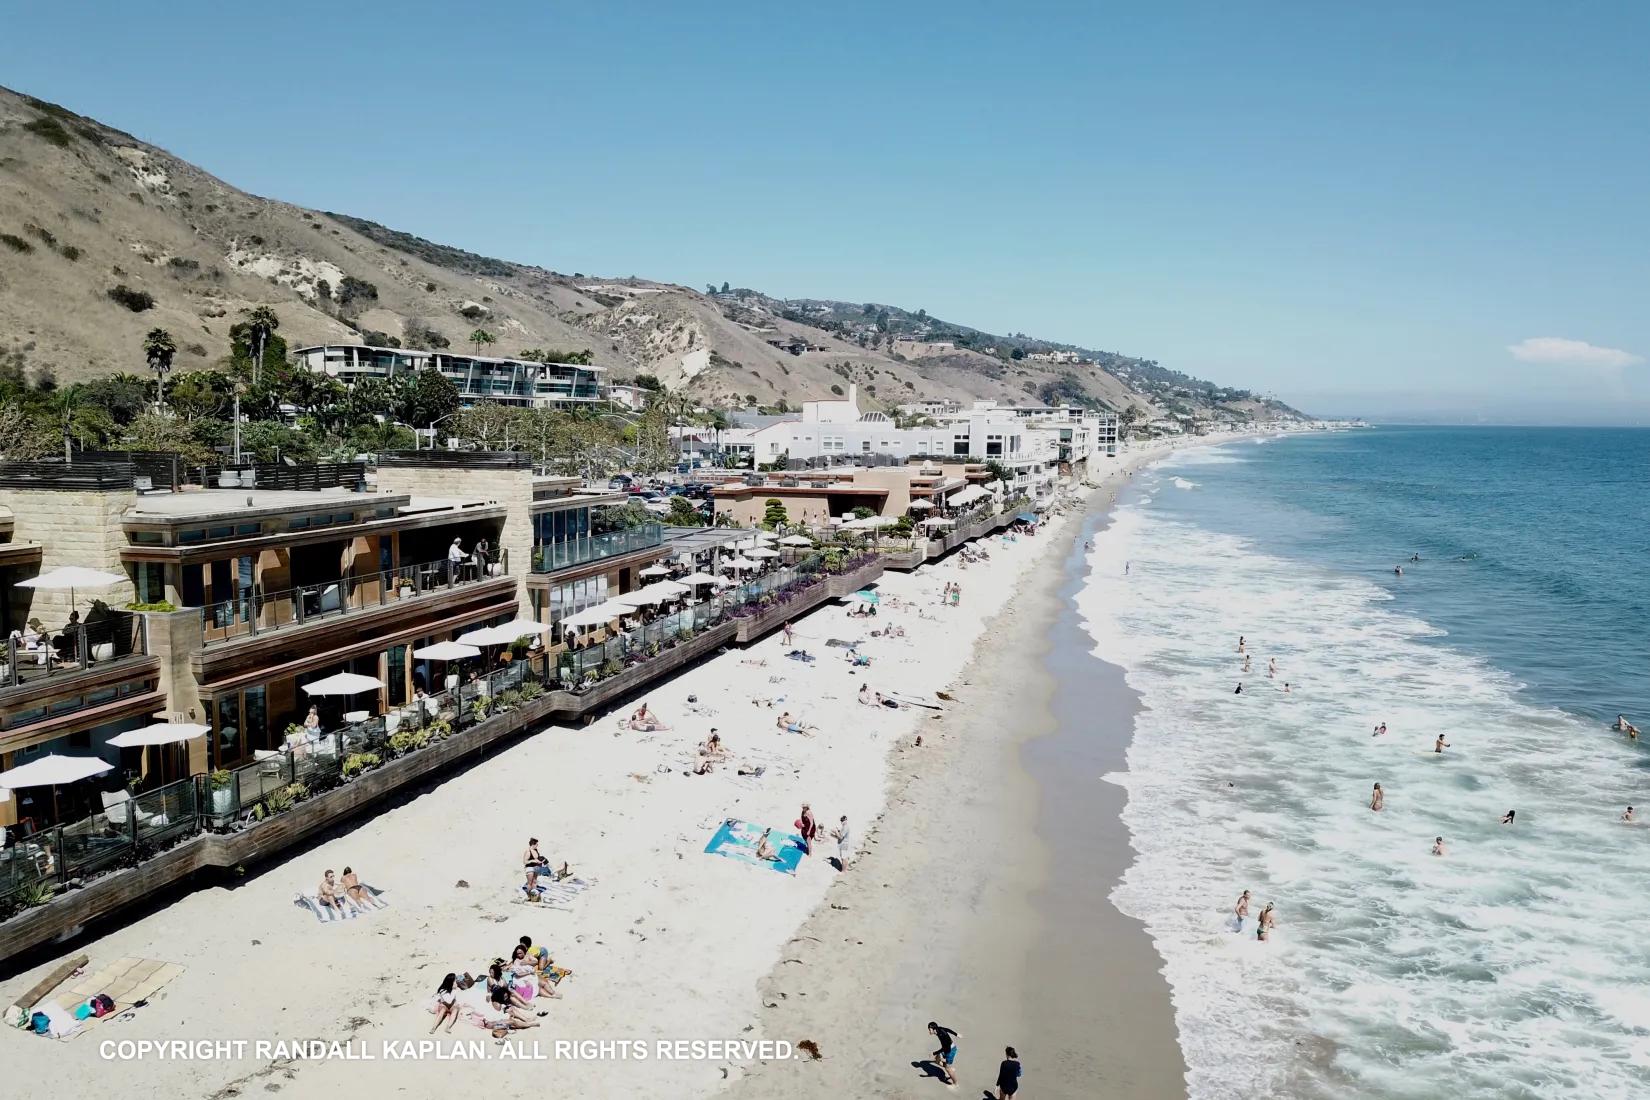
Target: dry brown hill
86 210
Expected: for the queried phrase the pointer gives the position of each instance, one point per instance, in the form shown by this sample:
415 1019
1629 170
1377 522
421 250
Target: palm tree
480 337
158 349
261 321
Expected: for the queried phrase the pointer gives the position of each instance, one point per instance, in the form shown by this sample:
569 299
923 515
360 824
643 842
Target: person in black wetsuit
946 1056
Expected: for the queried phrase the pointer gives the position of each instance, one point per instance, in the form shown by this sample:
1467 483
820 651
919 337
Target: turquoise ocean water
1518 963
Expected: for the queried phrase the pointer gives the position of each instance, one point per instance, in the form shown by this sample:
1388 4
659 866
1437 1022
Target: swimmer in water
1398 569
1272 667
1380 730
1628 816
1437 845
1440 745
1286 689
1507 818
1377 799
1239 690
1263 926
1246 662
1240 643
1242 909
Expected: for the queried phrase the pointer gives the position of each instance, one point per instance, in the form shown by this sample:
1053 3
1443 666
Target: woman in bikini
446 1003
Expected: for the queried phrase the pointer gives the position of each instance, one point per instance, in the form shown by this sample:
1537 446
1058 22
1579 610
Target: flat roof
426 354
212 503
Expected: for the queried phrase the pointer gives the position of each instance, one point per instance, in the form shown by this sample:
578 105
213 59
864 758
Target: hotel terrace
521 382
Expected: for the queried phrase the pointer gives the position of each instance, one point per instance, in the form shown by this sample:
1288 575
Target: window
149 579
865 446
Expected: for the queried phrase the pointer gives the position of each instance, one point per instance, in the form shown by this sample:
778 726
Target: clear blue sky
1360 210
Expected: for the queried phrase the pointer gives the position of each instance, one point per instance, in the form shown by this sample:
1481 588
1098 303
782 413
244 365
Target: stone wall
72 528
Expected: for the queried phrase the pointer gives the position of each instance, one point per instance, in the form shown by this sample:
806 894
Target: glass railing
260 612
29 657
551 556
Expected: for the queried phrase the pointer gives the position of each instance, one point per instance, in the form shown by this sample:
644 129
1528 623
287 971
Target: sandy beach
946 910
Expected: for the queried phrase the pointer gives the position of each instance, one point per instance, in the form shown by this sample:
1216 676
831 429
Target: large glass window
398 675
256 712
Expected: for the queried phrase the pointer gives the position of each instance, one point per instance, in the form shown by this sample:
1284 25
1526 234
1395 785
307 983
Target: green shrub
509 699
404 741
530 690
440 729
135 300
357 762
69 252
44 234
220 779
156 605
284 798
15 243
49 129
612 667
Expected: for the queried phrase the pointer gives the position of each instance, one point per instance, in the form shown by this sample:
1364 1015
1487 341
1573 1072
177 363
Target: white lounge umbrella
698 578
72 577
739 564
161 733
446 651
343 683
878 521
53 771
656 571
922 505
939 521
761 552
657 592
796 540
596 616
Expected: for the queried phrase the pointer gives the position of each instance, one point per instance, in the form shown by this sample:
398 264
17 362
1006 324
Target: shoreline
957 900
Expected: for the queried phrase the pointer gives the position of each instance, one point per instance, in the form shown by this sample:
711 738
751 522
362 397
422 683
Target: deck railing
551 556
110 637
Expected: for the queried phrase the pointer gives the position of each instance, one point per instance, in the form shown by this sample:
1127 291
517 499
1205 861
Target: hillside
105 237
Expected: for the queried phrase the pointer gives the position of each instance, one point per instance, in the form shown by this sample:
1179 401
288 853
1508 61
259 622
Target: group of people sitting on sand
644 720
345 897
511 987
863 611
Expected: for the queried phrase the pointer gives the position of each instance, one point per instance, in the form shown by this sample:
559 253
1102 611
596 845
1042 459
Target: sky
1399 210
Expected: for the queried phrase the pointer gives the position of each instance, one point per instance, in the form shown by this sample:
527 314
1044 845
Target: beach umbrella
865 595
796 540
72 577
698 578
761 552
922 505
53 771
161 733
939 521
739 564
446 651
656 571
343 683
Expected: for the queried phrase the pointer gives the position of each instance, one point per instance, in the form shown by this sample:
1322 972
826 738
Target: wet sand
980 896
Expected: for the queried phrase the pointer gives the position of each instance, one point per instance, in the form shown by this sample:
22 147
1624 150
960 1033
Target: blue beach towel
737 840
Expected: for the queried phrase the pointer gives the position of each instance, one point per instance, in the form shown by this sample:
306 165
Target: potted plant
223 799
404 588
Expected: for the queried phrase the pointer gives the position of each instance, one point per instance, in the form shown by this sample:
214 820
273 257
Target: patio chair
269 762
117 807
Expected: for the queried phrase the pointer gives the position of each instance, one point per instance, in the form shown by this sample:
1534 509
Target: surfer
1437 845
1507 818
1239 690
1398 569
1377 799
1415 557
1624 726
1241 911
1440 745
1263 926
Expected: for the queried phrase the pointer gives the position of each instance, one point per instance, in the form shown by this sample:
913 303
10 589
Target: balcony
27 660
551 556
258 612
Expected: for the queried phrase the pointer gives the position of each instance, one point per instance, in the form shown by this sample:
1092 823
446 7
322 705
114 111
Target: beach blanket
737 839
551 892
327 915
126 981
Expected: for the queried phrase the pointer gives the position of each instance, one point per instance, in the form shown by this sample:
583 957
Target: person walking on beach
808 828
1241 910
841 835
788 635
1440 745
1378 799
946 1056
1008 1074
1263 925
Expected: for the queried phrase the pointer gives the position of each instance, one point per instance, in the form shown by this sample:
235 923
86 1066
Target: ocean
1515 965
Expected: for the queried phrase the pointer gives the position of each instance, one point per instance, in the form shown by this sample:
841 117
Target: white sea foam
1515 966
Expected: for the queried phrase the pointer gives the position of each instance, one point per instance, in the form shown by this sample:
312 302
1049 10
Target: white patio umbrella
796 540
739 564
72 577
161 733
446 651
597 615
53 771
698 578
761 552
658 592
939 521
343 683
922 505
656 571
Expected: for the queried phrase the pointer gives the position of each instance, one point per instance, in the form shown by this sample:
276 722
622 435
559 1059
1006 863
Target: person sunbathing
712 745
498 981
327 894
521 966
360 895
513 1017
646 721
764 850
787 724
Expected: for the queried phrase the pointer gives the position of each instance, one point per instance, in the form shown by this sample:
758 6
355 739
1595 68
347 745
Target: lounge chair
118 805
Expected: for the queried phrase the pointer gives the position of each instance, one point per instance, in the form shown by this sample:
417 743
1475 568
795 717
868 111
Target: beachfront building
522 382
812 498
248 587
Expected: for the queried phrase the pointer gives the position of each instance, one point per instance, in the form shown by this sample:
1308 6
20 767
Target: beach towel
555 893
328 915
125 981
737 839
